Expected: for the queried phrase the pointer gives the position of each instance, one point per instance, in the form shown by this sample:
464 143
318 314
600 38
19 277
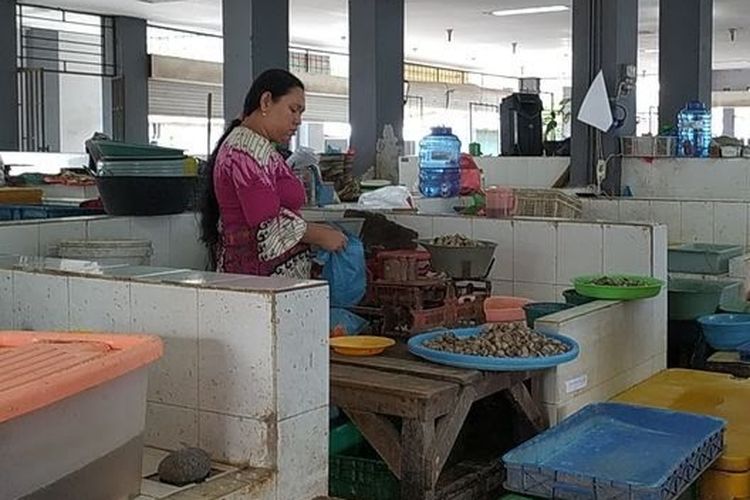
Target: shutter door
326 108
183 99
189 99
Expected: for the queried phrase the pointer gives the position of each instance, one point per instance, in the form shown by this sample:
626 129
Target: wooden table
728 362
432 402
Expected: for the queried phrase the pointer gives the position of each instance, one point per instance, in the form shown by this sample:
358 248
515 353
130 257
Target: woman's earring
264 113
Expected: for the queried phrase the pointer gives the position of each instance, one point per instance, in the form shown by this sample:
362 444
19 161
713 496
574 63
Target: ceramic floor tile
668 213
303 456
157 489
730 223
170 427
697 222
99 305
501 233
237 440
627 249
151 460
579 249
634 211
233 349
535 252
6 300
171 312
40 301
302 352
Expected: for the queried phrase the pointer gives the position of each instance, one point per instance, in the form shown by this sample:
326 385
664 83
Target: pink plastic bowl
505 309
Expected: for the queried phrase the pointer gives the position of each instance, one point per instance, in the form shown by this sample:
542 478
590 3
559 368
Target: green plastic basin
692 298
584 285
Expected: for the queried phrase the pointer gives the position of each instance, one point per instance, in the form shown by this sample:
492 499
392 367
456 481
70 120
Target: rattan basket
547 203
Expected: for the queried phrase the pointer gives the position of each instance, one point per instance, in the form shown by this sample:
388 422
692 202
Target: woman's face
283 115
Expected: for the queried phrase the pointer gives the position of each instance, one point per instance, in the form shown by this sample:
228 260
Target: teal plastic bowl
726 332
537 310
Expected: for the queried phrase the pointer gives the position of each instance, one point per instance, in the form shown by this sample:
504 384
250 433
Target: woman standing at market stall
251 218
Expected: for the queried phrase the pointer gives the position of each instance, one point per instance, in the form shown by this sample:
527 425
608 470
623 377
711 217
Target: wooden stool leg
417 468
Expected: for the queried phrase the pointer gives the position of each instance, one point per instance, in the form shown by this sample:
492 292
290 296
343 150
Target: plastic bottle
439 172
694 131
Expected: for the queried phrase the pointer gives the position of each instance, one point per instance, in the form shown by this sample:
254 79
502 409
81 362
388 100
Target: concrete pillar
376 75
685 44
8 69
256 38
728 121
605 37
132 72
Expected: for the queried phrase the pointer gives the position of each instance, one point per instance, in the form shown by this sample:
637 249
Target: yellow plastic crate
706 393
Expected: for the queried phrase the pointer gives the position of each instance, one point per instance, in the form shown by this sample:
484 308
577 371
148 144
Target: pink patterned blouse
259 204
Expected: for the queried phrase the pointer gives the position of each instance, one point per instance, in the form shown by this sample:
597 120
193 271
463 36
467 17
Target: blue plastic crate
25 212
612 451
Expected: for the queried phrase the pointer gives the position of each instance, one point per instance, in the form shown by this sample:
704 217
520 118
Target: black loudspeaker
521 125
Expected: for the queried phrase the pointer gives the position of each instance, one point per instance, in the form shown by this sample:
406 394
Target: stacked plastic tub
72 414
713 394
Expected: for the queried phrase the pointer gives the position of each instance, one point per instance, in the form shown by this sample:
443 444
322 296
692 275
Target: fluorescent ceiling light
529 10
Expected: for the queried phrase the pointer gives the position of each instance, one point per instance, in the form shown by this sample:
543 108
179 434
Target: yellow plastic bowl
361 345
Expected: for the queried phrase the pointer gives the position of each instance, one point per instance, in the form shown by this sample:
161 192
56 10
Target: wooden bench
432 402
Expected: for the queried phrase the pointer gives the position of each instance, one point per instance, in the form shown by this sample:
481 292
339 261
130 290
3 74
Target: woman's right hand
325 237
332 239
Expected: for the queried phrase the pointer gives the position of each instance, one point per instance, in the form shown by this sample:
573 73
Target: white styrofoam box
40 301
535 291
6 300
602 210
422 224
236 440
99 305
453 225
436 206
108 228
171 312
627 249
697 222
156 230
502 288
579 251
19 239
185 248
541 172
52 233
730 223
634 210
501 232
302 356
408 172
659 249
233 350
535 251
302 461
170 427
668 213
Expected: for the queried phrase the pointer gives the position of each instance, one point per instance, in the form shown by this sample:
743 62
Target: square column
130 86
8 77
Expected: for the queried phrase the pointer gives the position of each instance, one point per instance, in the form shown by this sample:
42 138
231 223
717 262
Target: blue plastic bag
350 322
345 272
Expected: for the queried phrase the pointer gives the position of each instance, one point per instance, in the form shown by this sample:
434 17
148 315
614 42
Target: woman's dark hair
279 83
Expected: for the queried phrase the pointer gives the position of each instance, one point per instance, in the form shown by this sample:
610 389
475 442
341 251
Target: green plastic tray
584 286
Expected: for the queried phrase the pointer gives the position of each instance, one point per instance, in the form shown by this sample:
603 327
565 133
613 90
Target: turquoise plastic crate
702 258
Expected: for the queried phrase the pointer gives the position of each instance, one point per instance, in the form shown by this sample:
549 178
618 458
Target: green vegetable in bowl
620 281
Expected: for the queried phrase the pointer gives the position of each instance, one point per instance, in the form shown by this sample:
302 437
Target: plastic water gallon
694 131
439 172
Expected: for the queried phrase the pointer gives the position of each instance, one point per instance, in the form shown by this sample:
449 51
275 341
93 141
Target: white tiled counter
245 367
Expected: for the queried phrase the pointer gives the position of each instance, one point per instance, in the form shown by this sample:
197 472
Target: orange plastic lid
706 393
41 368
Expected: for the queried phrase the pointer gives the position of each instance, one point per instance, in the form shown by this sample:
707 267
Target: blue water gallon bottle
439 171
694 131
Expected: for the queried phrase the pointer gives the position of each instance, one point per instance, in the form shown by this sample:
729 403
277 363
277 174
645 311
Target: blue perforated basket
612 451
